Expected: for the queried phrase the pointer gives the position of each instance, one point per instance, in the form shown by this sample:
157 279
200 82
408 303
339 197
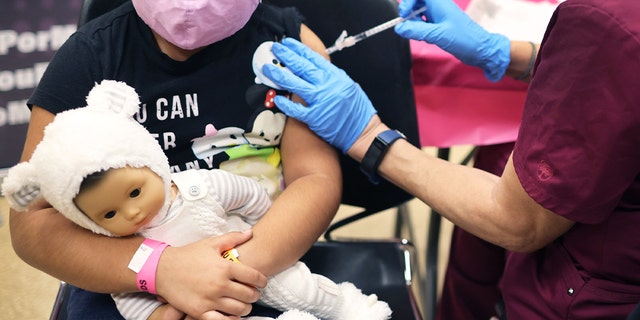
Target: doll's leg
298 288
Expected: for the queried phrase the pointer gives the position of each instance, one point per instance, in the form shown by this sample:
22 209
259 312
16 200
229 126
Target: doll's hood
82 141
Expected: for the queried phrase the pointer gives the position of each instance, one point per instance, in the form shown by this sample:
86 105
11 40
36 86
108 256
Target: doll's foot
359 306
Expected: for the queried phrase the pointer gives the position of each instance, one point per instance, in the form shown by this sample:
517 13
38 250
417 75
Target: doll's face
124 200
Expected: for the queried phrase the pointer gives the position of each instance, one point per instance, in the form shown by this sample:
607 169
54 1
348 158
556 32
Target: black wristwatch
378 148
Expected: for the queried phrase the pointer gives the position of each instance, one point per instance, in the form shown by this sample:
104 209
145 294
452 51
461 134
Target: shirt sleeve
578 146
69 76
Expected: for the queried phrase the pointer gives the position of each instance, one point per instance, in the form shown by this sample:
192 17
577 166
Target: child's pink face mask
191 24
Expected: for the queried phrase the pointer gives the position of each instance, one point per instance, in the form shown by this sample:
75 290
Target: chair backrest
94 8
381 65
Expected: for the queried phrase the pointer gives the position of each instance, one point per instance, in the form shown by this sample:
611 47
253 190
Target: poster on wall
30 33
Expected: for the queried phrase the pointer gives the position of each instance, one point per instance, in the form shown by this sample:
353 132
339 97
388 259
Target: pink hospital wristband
145 263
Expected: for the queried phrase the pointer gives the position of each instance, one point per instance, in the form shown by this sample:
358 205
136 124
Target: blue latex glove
338 110
448 27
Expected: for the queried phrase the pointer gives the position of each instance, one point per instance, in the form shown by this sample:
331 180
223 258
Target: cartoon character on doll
253 151
114 179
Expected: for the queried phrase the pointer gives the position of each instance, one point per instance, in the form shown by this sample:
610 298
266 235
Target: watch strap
376 152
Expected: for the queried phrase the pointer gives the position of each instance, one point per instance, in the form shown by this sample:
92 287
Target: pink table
457 105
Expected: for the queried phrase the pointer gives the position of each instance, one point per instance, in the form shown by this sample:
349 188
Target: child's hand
197 280
166 312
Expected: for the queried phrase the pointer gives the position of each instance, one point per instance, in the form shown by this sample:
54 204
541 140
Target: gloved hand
451 29
338 110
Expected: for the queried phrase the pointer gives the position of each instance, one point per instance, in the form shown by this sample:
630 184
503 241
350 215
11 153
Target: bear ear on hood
21 187
115 96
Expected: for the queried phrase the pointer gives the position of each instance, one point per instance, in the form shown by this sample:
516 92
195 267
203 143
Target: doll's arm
137 305
145 306
239 195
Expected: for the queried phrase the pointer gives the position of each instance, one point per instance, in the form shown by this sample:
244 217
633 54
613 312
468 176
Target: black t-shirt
203 111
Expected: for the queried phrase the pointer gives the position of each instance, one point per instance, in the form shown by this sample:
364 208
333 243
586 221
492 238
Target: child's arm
299 216
166 312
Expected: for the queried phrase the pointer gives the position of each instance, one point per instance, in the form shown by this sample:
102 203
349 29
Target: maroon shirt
578 155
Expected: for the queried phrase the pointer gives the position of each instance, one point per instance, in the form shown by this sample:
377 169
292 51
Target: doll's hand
195 278
451 29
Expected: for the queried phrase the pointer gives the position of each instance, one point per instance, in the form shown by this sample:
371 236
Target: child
190 62
115 180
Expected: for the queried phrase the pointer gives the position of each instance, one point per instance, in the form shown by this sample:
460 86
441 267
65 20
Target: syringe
345 41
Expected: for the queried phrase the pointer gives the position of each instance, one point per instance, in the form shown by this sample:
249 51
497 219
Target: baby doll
105 172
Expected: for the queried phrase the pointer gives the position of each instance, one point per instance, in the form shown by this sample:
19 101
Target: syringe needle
344 42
